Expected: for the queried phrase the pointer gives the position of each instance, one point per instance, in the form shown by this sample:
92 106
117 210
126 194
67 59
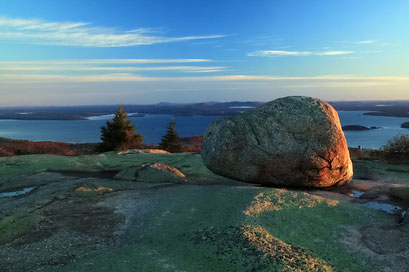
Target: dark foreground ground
107 213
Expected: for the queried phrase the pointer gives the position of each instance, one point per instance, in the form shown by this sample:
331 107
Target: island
355 128
397 108
89 111
405 125
358 128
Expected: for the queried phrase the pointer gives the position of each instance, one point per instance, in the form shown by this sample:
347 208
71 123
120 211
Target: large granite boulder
291 141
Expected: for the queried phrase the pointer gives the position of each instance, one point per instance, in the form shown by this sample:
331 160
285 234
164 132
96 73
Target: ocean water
371 139
154 126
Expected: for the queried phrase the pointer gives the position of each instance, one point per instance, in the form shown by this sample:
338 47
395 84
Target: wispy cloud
358 42
196 69
129 77
100 61
36 31
107 65
278 53
365 42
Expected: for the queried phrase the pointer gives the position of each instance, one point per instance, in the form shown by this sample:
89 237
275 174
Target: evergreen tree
119 134
171 141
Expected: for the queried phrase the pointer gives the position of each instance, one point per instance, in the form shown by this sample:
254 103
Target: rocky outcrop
154 173
292 141
400 192
143 151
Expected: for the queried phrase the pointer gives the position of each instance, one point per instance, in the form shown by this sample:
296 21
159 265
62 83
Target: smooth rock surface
156 172
291 141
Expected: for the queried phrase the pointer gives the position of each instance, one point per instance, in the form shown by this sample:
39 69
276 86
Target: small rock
405 221
369 195
400 192
143 151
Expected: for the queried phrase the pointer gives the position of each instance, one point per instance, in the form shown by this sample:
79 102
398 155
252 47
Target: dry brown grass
295 259
10 147
27 148
279 199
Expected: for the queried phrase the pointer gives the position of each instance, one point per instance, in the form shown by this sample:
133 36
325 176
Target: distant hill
83 112
211 108
376 108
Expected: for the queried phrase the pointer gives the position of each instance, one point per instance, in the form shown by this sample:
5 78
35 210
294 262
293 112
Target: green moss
201 228
190 164
225 227
377 170
17 225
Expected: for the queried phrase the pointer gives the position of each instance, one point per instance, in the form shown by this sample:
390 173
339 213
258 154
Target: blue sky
109 52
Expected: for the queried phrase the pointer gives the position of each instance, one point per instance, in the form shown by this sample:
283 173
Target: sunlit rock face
152 173
291 141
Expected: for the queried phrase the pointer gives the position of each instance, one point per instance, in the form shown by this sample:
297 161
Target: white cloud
129 77
37 31
106 65
332 53
357 42
192 69
277 53
100 61
365 42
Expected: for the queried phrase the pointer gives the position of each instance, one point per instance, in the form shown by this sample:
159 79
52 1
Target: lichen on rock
292 141
152 172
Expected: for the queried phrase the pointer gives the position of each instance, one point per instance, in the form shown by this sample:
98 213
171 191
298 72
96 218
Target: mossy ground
209 223
207 229
378 170
17 225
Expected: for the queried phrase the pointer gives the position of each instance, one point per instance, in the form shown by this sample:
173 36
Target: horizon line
193 103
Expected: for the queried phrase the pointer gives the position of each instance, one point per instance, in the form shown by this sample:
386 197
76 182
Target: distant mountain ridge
83 112
390 108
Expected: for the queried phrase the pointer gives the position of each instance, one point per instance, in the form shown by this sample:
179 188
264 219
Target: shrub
22 152
119 134
397 149
171 141
27 147
365 154
4 152
191 148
